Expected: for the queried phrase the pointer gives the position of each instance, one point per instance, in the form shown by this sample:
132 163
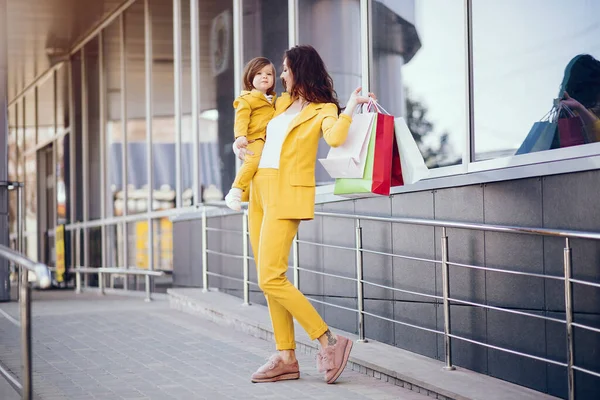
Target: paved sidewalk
92 347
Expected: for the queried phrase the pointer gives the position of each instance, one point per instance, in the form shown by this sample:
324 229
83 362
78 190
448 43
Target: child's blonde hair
252 68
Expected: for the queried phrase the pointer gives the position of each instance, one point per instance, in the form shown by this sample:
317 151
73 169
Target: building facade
120 125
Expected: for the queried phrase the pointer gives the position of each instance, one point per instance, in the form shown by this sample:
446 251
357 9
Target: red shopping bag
570 131
387 170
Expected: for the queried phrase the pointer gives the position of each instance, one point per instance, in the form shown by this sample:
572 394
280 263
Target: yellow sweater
252 114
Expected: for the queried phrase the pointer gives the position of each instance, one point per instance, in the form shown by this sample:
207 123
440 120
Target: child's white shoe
234 199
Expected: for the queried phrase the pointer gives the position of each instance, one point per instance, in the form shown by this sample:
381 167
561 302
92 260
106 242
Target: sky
520 50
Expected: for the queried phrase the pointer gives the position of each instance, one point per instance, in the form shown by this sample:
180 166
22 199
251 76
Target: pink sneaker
333 359
276 370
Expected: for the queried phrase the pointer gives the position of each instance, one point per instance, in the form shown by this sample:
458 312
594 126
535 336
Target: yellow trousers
271 240
250 165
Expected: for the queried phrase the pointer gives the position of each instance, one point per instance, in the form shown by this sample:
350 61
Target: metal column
149 159
177 72
4 271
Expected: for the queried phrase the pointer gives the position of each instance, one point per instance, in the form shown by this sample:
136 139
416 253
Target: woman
283 194
580 90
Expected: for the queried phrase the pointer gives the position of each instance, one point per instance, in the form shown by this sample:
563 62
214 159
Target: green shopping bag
360 186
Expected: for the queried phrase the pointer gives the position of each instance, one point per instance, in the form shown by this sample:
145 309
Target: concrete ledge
382 361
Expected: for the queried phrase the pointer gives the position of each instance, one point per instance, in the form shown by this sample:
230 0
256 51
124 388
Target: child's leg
250 165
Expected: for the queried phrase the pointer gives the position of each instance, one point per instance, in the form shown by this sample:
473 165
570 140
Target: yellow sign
60 252
141 244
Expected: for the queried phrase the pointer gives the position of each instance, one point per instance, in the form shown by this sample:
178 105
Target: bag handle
377 106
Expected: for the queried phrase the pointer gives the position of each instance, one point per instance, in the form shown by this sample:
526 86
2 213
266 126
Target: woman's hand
240 147
356 99
571 103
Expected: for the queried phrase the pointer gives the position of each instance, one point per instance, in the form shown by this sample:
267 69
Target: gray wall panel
376 236
339 232
377 328
413 241
338 317
515 253
514 203
413 339
182 265
195 249
462 204
519 333
471 323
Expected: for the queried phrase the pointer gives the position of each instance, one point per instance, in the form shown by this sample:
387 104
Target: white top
277 130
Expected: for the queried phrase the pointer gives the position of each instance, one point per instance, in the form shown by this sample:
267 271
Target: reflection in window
518 72
418 72
13 157
339 22
31 205
217 161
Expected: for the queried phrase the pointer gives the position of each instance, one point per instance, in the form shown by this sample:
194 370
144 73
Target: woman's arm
335 129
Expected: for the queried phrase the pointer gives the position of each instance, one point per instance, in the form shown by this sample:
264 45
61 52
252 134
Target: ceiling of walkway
40 31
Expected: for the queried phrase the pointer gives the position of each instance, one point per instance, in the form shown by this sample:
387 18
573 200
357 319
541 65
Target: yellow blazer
252 114
296 197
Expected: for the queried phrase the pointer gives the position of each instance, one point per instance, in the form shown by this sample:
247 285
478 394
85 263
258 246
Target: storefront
120 117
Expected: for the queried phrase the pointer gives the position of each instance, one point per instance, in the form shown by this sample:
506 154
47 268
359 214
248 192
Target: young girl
253 111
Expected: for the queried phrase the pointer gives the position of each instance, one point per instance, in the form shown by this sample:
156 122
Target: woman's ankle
288 356
327 339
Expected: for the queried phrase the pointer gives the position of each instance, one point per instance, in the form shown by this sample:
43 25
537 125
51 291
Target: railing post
101 283
77 260
25 308
204 253
360 284
20 243
446 294
246 255
569 319
296 262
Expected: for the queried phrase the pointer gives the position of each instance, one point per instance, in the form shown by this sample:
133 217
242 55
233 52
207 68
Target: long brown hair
252 68
311 79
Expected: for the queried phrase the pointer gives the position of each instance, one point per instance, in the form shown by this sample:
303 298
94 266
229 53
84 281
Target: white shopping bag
348 160
411 159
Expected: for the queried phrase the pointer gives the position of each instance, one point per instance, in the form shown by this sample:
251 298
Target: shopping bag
351 187
571 129
386 162
382 167
349 159
411 159
543 135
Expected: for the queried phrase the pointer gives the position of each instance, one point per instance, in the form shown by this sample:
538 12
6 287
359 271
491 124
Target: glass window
92 80
13 157
418 72
332 27
62 100
46 110
217 161
136 109
114 132
550 48
266 32
163 104
31 205
30 120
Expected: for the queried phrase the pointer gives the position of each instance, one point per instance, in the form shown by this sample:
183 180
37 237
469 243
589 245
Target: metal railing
42 275
445 299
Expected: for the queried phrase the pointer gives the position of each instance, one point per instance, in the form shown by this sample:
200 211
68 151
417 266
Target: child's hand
239 147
